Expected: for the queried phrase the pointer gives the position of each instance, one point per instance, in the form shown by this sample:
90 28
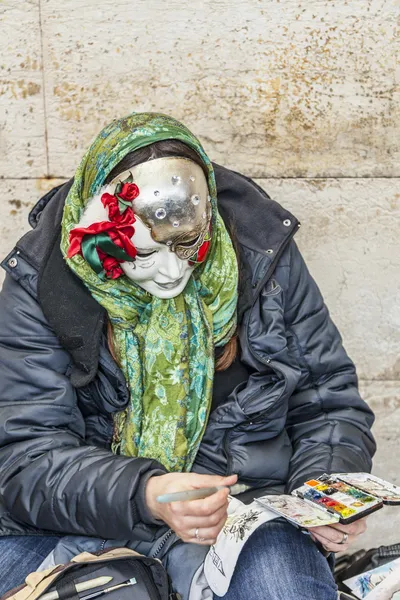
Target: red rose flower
111 203
114 214
111 266
201 253
129 191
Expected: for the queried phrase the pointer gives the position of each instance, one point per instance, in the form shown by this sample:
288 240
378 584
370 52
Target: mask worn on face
162 211
172 219
156 268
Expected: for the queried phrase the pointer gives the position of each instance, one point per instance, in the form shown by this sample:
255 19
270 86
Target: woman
147 350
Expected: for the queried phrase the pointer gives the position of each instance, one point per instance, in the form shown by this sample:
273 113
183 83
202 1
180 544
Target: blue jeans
279 562
20 555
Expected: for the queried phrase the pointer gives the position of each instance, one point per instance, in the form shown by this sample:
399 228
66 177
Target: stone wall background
303 97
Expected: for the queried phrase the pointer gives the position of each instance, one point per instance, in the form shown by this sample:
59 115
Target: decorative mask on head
154 226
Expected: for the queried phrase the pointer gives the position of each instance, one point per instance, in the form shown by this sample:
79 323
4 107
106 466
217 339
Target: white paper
364 584
222 557
388 589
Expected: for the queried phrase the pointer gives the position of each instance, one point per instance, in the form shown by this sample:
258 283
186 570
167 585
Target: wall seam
44 98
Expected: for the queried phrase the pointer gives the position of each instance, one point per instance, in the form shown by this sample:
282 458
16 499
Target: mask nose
171 266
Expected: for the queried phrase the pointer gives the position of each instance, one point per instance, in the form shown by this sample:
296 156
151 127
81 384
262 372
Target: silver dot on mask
160 213
156 193
192 178
209 198
195 199
204 215
175 224
169 243
175 179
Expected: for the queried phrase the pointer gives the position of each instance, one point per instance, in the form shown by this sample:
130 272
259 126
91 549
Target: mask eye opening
190 243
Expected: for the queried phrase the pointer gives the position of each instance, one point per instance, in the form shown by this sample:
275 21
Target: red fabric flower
111 236
129 191
114 214
111 265
119 229
201 254
120 234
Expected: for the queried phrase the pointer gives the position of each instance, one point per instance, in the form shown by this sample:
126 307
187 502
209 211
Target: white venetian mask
171 222
156 268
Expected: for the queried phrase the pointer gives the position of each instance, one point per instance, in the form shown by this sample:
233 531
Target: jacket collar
260 223
261 227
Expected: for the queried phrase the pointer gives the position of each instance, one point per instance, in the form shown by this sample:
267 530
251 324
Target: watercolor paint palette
348 502
337 498
298 511
387 492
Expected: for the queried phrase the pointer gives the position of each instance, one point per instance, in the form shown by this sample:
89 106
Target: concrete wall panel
384 525
22 127
281 89
17 199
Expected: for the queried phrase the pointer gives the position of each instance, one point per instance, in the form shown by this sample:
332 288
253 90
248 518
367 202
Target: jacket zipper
257 287
225 445
164 540
254 394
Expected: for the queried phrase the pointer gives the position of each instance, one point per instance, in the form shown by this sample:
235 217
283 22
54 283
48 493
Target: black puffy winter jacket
299 414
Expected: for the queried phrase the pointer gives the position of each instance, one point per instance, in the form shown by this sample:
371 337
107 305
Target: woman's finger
200 481
202 508
204 522
356 528
331 546
204 534
332 534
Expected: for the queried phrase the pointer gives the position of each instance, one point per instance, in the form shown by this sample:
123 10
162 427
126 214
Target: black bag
134 576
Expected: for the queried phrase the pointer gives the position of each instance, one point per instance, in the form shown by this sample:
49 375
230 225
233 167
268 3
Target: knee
279 562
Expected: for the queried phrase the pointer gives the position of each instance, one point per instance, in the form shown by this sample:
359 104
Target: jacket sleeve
49 477
328 423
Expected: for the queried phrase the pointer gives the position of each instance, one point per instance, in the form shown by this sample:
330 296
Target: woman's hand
205 517
338 537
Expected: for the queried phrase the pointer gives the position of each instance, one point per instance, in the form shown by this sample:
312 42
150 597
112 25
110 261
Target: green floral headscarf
165 346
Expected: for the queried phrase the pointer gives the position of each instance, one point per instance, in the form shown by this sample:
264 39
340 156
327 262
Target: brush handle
189 494
80 587
111 589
